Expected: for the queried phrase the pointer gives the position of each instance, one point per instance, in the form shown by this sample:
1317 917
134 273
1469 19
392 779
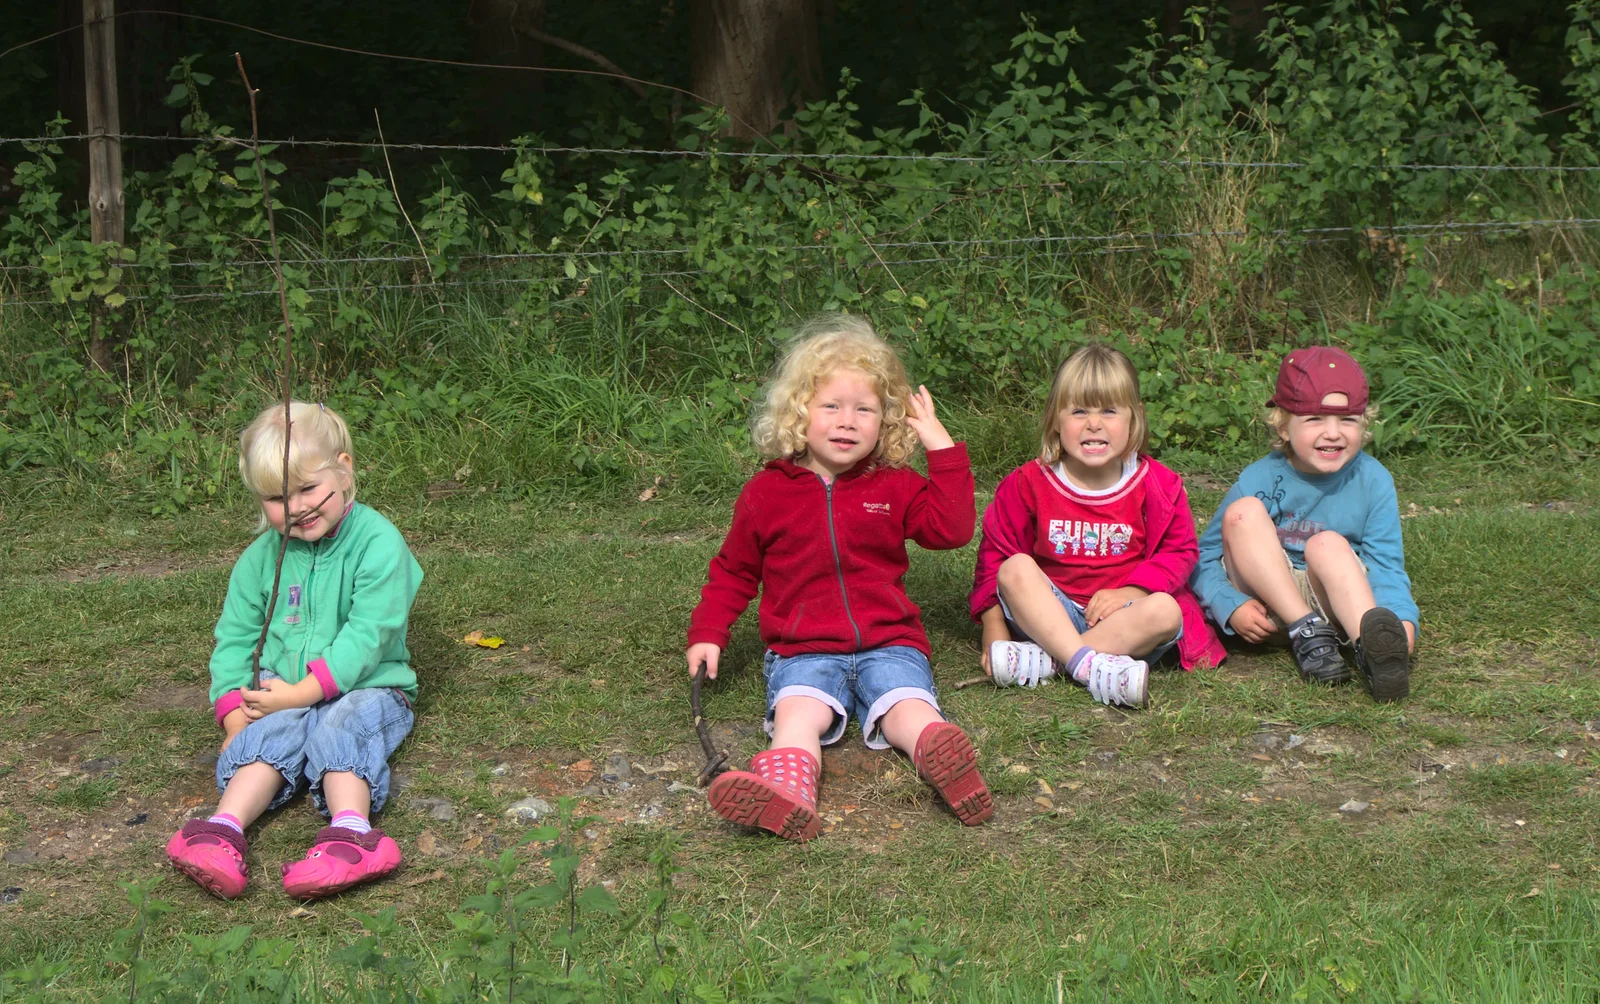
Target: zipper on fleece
838 566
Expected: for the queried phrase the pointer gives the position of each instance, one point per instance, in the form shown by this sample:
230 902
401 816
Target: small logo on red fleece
881 508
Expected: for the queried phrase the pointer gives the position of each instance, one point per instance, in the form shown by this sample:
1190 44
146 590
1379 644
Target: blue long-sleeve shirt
1358 502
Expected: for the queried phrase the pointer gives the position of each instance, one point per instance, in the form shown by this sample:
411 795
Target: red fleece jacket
1170 553
830 561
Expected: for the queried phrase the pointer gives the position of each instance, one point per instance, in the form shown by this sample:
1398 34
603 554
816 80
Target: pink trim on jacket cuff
319 669
227 702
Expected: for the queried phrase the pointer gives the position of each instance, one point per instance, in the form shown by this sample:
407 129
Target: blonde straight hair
320 437
1095 376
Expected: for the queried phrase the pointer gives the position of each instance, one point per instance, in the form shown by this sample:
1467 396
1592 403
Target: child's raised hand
920 416
1252 622
707 654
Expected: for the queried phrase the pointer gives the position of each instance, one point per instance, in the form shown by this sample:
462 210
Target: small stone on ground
528 810
1352 807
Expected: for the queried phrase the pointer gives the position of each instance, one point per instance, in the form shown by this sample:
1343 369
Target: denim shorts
357 732
865 684
1080 624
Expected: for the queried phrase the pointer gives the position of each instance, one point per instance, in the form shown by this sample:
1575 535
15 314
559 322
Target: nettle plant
1202 213
512 942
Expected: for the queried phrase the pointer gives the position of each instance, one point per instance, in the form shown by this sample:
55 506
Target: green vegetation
651 293
1193 850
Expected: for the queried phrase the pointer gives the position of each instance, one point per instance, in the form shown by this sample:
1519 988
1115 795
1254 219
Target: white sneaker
1019 664
1117 679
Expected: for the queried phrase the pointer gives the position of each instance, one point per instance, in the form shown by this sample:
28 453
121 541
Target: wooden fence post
105 146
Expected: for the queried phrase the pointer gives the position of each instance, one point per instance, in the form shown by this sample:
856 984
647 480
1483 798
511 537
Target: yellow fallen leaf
1532 892
1044 787
1044 803
481 640
301 913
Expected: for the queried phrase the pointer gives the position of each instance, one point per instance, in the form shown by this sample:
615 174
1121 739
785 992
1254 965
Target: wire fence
1145 243
800 155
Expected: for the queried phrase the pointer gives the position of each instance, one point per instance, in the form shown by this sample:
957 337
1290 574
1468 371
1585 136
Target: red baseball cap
1308 375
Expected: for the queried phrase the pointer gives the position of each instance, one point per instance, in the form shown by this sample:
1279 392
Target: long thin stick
288 373
715 762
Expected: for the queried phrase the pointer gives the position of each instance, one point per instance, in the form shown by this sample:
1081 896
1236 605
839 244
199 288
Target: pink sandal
212 855
338 859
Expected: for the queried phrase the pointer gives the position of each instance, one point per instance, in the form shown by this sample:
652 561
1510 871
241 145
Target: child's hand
1252 622
919 415
1108 601
276 695
705 653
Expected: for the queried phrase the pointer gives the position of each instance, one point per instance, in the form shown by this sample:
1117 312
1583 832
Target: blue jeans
866 684
355 732
1080 624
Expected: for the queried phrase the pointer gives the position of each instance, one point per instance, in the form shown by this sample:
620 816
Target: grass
1191 850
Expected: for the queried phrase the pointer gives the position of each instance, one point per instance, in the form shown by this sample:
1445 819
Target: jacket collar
787 466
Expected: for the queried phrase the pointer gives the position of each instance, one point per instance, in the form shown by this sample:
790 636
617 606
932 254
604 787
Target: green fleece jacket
341 614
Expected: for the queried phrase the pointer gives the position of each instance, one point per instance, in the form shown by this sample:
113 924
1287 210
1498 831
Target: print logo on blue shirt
294 606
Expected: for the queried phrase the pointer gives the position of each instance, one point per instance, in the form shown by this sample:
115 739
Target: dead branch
288 371
584 53
715 762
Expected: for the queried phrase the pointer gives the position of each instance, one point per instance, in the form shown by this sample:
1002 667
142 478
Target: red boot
778 793
945 759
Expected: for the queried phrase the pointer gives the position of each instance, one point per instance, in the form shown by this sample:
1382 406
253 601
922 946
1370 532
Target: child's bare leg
943 756
903 724
1036 609
249 792
345 792
801 721
1151 621
1255 559
1341 583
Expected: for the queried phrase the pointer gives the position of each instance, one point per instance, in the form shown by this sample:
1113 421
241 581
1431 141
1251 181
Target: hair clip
322 406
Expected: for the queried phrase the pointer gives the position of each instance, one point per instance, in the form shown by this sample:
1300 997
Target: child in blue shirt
1307 542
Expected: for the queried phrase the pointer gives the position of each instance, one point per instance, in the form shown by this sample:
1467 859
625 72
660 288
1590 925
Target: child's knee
1163 611
1017 572
799 709
1327 546
1242 512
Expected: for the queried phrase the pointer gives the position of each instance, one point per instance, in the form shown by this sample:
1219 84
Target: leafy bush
603 318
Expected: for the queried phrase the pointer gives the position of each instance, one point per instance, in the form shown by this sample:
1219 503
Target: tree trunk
755 58
508 101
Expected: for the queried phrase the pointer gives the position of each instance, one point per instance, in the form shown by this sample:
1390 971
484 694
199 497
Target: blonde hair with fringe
1095 376
1277 421
824 346
320 435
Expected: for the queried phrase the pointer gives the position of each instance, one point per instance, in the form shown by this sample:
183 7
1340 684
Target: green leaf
598 897
115 299
177 96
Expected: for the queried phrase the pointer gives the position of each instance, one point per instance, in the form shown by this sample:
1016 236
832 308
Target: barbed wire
837 156
1153 237
1423 231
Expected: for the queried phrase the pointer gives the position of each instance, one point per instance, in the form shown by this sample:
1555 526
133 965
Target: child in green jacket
336 686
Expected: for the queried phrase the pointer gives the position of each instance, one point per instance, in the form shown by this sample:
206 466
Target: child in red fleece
821 531
1087 550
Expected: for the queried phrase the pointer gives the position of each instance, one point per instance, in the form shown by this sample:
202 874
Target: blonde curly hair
825 345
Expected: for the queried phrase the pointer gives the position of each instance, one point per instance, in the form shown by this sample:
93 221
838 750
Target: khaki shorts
1302 581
